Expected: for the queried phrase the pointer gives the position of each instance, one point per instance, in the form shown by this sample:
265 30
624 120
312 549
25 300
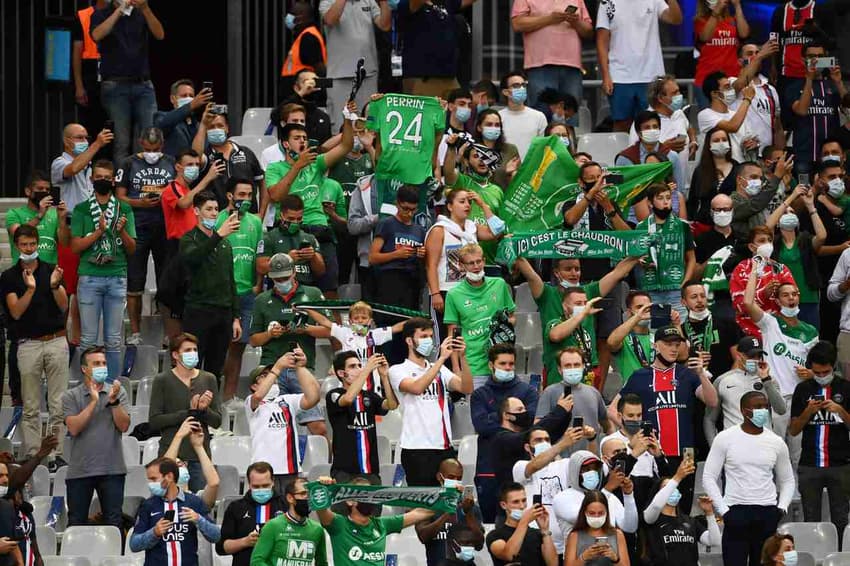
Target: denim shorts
246 312
627 100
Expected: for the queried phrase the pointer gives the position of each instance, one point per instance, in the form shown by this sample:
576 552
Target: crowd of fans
728 347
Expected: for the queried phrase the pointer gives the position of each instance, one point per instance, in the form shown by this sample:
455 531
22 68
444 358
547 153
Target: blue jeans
103 297
131 105
110 493
560 77
288 384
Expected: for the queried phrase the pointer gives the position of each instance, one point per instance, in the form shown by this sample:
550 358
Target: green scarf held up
574 244
438 499
105 247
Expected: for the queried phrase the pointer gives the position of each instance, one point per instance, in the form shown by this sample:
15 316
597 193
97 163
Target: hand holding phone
578 422
536 499
168 515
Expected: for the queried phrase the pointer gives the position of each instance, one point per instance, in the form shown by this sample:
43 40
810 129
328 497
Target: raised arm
750 305
535 283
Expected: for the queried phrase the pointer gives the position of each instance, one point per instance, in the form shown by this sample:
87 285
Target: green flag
574 243
437 499
548 178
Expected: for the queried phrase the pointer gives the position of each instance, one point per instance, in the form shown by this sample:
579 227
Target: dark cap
256 372
668 334
750 346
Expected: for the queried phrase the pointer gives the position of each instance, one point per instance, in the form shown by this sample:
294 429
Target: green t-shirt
472 308
82 224
47 228
791 257
490 194
269 307
668 254
283 542
551 307
408 127
276 241
331 191
350 170
244 243
355 545
627 360
306 185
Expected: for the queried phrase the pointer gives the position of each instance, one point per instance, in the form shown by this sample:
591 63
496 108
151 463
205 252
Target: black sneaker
57 463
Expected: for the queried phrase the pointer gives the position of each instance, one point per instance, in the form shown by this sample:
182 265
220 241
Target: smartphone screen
660 316
571 9
578 422
646 428
567 390
803 178
455 332
168 515
536 499
55 195
614 179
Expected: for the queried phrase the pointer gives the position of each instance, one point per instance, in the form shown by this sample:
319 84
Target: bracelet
432 294
54 288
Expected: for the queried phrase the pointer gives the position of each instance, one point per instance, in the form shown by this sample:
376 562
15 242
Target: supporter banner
436 499
548 178
343 305
574 243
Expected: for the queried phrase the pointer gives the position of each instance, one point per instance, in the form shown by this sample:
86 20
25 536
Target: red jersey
178 220
770 271
788 22
720 53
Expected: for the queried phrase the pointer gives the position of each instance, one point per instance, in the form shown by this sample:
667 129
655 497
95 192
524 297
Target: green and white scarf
105 247
667 253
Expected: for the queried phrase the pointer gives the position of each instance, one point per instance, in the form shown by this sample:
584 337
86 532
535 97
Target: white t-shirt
634 54
274 436
522 126
548 482
762 112
426 424
708 119
786 350
360 346
271 154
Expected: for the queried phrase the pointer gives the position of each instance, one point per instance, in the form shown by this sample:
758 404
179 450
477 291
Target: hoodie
568 503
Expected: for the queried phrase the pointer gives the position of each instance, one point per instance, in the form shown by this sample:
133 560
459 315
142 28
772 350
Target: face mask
753 187
590 481
481 108
151 157
674 497
274 392
289 21
831 159
664 361
516 514
765 250
522 420
760 417
466 554
191 172
293 155
573 376
699 315
283 286
541 447
189 359
208 223
475 277
566 285
80 147
4 489
367 509
39 196
100 374
358 145
578 310
824 379
181 102
836 187
650 136
290 228
462 114
156 489
662 213
262 495
631 427
216 136
719 148
751 366
722 219
503 375
519 95
677 101
644 322
788 221
183 478
729 96
789 557
29 257
102 186
425 346
596 522
491 133
565 140
302 507
790 312
449 483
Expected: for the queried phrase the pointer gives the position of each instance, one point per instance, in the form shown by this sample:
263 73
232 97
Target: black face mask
302 507
662 213
522 420
37 197
632 427
367 509
102 186
664 361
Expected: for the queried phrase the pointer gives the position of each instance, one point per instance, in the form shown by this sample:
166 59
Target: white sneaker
134 340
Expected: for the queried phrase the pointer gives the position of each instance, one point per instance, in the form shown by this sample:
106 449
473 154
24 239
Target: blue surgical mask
80 147
789 558
590 480
289 21
189 359
262 496
100 374
451 484
191 172
463 113
491 133
216 136
208 223
790 312
156 489
519 95
481 108
516 514
753 187
358 145
789 221
503 375
29 257
466 554
425 346
760 417
573 376
541 447
283 286
677 102
835 187
181 102
565 140
751 366
674 497
183 478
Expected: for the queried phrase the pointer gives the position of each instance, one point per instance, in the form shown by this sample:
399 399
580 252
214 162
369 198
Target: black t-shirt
825 439
531 551
355 449
124 51
140 179
8 528
43 315
429 39
591 269
435 549
709 242
242 164
673 540
836 233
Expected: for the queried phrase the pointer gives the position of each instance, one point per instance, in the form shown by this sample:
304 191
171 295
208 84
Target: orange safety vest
89 46
293 62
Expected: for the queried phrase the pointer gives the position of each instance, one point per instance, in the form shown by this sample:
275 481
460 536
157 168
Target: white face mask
722 218
151 157
699 315
753 187
474 277
765 250
596 522
720 148
651 136
729 96
578 310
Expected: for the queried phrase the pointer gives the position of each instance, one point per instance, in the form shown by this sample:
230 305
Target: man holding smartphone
287 237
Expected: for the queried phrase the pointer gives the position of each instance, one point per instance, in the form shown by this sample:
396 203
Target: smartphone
259 527
659 315
571 9
293 345
455 333
304 245
56 431
620 466
219 109
602 540
819 397
614 178
55 195
773 36
578 422
217 156
208 85
324 82
536 499
825 62
151 195
168 515
109 125
568 390
688 453
646 428
803 179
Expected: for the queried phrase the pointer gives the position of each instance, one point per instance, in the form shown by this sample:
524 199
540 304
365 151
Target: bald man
70 171
433 532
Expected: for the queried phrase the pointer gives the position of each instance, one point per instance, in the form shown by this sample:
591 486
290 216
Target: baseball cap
668 333
750 346
281 266
257 371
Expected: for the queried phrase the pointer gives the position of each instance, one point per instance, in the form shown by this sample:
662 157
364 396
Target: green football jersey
356 545
47 228
244 243
408 128
286 543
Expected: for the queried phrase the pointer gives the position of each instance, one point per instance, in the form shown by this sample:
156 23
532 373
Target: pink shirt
557 44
